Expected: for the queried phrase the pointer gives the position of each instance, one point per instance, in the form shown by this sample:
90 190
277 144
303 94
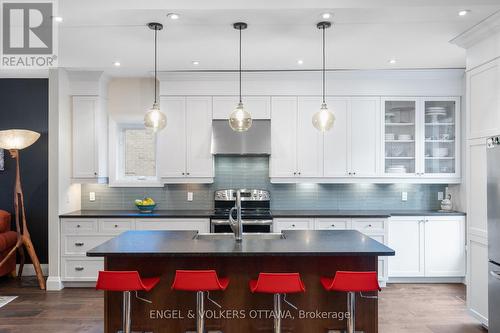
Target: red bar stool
352 282
125 281
277 284
201 282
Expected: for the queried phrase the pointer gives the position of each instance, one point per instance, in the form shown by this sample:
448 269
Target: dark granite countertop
276 213
188 213
361 213
295 243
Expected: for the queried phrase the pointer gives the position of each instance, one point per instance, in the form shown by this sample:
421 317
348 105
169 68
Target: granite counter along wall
253 172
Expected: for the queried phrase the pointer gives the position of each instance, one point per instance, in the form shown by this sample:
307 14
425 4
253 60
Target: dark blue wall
24 104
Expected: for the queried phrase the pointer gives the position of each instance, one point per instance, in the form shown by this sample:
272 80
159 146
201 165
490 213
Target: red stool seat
124 281
277 283
352 281
199 280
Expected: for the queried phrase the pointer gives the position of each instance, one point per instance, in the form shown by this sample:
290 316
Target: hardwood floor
403 308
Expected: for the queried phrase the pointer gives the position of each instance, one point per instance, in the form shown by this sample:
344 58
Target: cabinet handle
79 244
183 173
187 173
116 225
293 225
295 173
95 173
369 225
354 173
333 225
299 173
79 268
350 173
78 226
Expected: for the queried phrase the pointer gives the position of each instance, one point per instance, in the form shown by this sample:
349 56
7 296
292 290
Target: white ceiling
367 33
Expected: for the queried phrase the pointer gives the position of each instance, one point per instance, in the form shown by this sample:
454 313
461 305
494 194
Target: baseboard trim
482 319
426 280
29 270
78 284
54 283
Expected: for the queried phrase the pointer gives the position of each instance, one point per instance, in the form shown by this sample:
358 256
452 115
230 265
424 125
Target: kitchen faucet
236 225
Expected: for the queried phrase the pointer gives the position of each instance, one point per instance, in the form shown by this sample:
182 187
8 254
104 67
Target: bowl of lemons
146 205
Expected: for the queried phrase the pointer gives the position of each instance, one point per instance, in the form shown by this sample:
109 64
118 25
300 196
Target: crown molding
479 32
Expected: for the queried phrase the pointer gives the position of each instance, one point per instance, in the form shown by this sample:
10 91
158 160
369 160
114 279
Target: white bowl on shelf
390 136
440 152
405 137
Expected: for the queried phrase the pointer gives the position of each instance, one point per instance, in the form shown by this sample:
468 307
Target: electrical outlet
440 195
404 196
91 196
190 196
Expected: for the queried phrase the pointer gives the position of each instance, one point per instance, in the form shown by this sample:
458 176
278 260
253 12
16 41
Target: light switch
190 196
91 196
404 196
440 195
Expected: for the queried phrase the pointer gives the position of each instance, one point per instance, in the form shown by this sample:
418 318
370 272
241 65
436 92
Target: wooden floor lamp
13 141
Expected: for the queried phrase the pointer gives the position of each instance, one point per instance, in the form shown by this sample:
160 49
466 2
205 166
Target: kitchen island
311 253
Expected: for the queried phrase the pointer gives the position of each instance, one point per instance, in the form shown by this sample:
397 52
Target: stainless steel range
255 211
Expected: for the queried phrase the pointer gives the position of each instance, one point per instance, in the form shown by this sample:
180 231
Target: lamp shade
17 138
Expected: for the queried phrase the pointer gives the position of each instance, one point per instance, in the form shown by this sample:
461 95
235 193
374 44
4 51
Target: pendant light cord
324 56
156 62
240 65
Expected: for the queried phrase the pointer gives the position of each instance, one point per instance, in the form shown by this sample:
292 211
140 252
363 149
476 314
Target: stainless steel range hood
255 141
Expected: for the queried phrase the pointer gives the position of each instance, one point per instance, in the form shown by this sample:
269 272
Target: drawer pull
79 268
116 225
293 225
333 225
79 244
369 225
78 226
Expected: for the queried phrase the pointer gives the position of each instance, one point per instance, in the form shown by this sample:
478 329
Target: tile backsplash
253 172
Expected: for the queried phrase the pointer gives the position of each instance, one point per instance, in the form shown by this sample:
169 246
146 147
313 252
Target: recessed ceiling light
57 19
117 64
300 62
195 63
173 16
326 16
463 12
392 61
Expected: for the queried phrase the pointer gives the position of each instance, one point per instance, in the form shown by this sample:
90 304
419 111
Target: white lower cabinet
80 235
427 246
293 224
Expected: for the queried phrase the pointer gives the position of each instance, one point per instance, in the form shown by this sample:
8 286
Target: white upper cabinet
283 161
441 142
171 141
309 139
400 123
297 147
89 127
199 160
336 140
483 97
258 106
421 138
183 147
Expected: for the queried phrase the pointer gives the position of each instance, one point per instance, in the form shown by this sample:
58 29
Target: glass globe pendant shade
155 119
17 139
323 119
240 120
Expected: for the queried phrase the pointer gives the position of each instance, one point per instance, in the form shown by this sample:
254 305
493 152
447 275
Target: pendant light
154 118
240 119
323 119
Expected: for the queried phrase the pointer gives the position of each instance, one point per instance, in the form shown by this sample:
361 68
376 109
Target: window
139 153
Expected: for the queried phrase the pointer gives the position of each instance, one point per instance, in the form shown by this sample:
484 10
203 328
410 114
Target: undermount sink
250 236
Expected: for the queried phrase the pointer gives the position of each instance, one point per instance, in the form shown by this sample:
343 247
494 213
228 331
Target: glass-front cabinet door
440 148
400 129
